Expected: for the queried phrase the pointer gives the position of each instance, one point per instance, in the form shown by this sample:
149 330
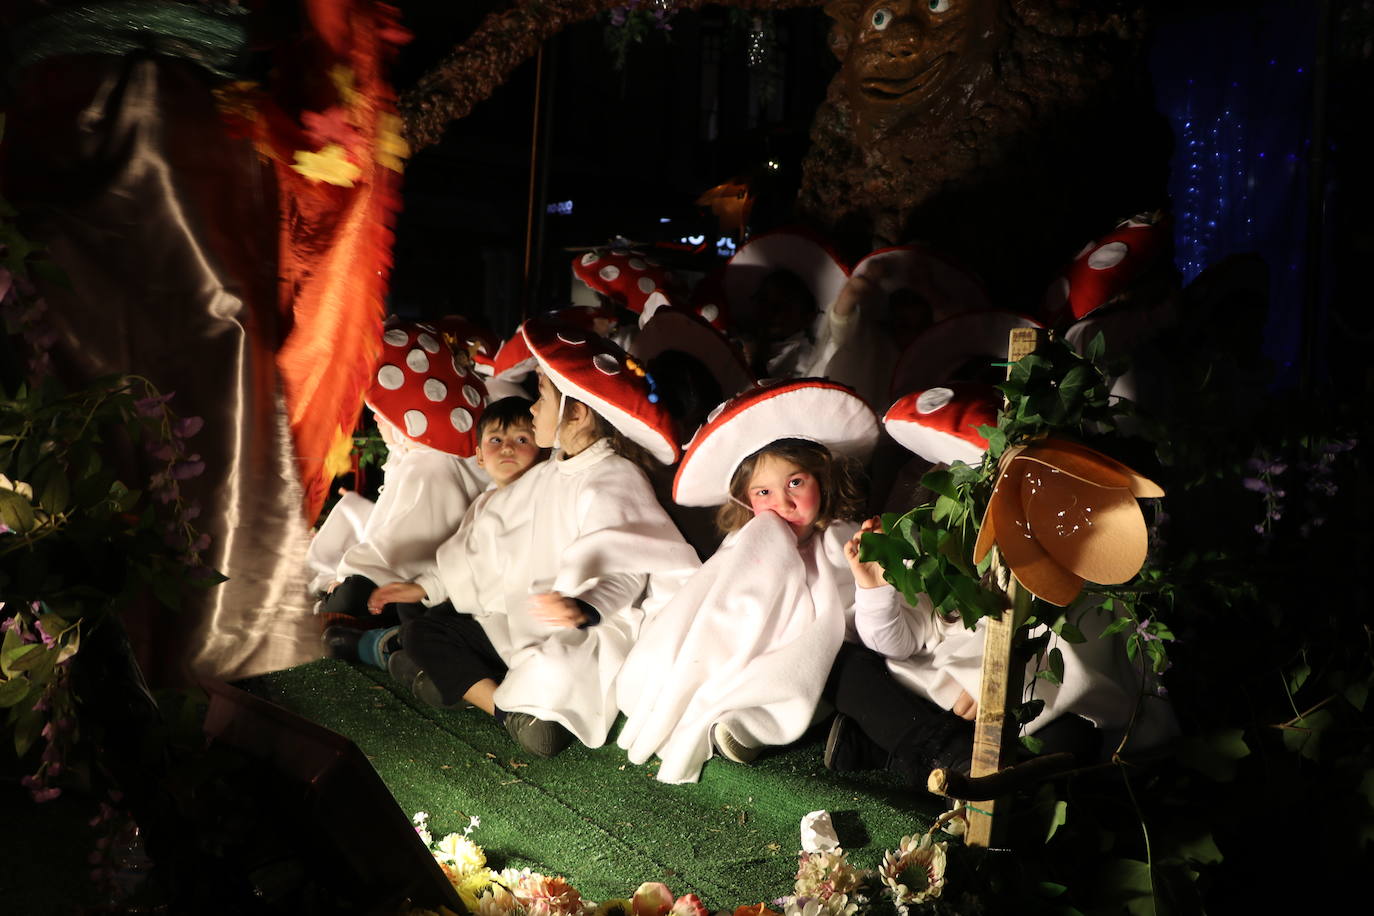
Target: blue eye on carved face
882 18
939 6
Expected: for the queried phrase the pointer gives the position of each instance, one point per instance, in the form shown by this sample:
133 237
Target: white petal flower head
915 871
803 906
496 901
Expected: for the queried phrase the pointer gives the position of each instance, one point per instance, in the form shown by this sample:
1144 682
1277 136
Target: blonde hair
842 496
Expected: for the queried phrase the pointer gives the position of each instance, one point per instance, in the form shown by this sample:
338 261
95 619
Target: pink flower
545 896
44 795
187 427
689 905
652 898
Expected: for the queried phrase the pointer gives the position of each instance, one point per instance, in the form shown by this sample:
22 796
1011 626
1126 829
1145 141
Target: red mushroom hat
420 390
949 288
814 409
588 367
1107 267
626 276
798 250
679 329
941 424
937 352
708 300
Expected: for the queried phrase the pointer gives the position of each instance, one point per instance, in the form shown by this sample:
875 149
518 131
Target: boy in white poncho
427 409
554 574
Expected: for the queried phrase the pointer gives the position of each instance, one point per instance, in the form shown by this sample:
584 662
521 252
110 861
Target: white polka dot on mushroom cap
590 258
428 342
609 272
709 311
932 399
435 390
416 423
1108 256
391 377
472 395
638 263
417 360
576 338
606 363
715 412
461 419
646 285
396 337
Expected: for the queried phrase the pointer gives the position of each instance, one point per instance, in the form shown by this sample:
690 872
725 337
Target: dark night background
632 148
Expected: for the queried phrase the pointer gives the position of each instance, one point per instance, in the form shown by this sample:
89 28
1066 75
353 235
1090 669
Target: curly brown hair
840 479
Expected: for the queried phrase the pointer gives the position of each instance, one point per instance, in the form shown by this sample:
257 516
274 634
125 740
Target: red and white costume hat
1107 267
626 276
941 424
678 329
708 300
588 367
948 288
795 249
814 409
938 352
419 390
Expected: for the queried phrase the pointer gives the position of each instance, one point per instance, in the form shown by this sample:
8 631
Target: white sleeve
883 623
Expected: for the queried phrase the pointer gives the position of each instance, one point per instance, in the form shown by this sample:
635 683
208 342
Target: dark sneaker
426 691
730 747
342 642
402 668
848 749
540 737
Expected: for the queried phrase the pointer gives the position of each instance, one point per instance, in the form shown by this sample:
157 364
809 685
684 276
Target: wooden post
1001 679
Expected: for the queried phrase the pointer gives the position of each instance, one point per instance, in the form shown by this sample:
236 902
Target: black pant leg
453 649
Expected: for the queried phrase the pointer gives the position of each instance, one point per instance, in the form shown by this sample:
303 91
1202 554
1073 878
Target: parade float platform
588 814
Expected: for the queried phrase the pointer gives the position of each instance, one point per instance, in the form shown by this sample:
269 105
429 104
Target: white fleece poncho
420 506
590 528
748 641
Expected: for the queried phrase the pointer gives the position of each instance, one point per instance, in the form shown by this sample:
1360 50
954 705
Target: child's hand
870 574
395 593
965 706
553 609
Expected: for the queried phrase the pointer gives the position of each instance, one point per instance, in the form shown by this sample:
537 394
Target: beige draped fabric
167 229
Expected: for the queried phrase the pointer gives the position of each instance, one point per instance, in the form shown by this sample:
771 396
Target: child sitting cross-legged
549 578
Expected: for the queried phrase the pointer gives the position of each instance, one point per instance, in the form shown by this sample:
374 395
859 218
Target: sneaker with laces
539 737
848 749
730 747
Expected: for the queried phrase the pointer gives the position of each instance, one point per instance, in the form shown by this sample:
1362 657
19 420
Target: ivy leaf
1298 677
1070 633
1096 347
1035 746
1055 672
1116 626
941 482
26 730
1058 819
1125 883
13 691
1214 755
1304 735
1357 693
16 512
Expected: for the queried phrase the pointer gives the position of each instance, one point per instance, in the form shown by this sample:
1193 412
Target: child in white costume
427 411
740 656
559 568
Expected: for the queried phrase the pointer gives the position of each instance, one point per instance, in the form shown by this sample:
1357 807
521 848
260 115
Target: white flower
496 901
473 823
17 486
915 871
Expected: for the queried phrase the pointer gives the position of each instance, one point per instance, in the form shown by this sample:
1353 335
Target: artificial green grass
590 815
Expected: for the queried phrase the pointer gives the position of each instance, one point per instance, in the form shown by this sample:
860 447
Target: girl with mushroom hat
583 553
737 661
427 410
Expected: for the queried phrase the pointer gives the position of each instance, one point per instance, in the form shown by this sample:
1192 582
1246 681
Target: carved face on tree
906 59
